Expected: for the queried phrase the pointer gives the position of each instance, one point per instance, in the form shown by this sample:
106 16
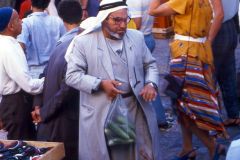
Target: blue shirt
69 35
40 33
230 8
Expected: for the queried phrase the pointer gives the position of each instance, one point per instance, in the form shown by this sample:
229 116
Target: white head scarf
106 7
87 23
92 23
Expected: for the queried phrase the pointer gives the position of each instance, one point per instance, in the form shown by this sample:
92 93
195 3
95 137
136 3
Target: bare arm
217 19
84 4
160 8
22 45
138 22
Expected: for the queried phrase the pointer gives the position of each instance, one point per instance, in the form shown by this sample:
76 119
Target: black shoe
164 127
187 156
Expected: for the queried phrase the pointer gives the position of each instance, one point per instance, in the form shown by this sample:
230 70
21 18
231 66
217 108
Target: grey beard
115 35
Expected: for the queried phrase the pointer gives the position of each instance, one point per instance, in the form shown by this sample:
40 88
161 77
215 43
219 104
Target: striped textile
201 99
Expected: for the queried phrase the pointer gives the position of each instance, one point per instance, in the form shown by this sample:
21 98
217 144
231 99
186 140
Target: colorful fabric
20 150
201 97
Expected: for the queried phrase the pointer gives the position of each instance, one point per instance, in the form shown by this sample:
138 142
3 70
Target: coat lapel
130 55
104 54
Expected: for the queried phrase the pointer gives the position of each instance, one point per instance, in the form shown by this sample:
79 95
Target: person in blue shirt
40 33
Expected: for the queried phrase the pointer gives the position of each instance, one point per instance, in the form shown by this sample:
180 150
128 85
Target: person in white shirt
52 10
144 22
15 81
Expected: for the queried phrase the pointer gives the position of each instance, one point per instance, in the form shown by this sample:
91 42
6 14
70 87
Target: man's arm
77 67
149 92
217 19
52 106
160 8
77 77
138 22
17 70
23 46
84 4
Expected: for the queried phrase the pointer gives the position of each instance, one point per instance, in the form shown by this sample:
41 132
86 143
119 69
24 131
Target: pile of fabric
20 150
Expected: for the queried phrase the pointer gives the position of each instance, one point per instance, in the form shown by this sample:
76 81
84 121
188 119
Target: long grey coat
88 61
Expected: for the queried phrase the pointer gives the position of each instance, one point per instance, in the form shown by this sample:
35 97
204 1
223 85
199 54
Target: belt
13 94
126 95
188 38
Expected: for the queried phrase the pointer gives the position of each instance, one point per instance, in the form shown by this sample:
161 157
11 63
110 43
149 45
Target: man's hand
145 155
148 93
109 87
36 115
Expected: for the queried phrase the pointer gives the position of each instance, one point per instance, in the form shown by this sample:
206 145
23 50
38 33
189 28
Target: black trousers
57 2
15 113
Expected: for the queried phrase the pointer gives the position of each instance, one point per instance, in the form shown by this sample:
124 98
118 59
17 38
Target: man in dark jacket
57 115
224 47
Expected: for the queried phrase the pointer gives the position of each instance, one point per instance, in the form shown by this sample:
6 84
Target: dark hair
70 11
40 4
27 13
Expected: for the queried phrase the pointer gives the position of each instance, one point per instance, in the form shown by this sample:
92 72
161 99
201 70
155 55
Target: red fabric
25 7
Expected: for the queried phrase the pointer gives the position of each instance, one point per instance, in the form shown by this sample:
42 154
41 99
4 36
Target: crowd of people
64 63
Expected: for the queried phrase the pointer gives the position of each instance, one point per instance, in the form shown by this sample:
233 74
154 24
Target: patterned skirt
201 98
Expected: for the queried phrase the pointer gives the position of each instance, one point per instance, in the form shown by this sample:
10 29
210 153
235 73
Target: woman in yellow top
199 106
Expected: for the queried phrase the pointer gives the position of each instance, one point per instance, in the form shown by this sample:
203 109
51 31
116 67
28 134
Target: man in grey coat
107 60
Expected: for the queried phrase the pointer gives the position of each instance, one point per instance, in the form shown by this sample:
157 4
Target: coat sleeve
77 68
17 69
54 104
149 64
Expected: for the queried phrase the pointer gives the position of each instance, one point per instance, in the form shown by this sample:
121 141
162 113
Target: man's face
115 25
16 24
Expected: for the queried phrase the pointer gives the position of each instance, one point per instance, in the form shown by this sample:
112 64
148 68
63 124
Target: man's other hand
148 93
110 88
36 115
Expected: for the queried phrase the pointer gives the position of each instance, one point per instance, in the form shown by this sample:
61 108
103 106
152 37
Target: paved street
171 139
